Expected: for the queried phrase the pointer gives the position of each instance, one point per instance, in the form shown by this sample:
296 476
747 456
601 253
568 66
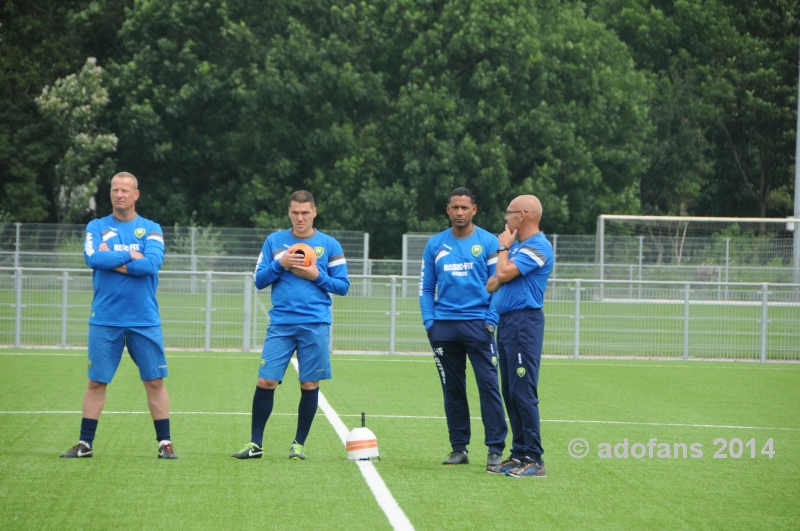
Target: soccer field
746 413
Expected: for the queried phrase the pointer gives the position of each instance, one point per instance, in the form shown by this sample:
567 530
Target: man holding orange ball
300 318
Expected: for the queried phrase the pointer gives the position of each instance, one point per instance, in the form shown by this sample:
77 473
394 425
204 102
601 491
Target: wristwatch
502 248
489 328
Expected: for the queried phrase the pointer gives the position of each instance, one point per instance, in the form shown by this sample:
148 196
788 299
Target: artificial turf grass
208 489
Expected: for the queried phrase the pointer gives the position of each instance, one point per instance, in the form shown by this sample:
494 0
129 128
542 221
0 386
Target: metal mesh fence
413 247
223 311
624 257
703 259
188 248
696 248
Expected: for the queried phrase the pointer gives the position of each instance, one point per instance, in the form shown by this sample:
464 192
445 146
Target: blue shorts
145 346
311 341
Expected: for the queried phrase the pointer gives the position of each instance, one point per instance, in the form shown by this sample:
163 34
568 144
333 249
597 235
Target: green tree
754 87
505 98
36 49
173 87
73 104
380 109
42 41
679 150
726 100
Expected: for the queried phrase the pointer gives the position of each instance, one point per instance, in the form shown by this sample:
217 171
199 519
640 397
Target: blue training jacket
124 299
296 300
452 284
534 259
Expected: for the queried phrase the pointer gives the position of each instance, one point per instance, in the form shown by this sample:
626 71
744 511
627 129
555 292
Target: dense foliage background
380 108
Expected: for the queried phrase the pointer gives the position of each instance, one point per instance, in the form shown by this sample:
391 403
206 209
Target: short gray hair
128 176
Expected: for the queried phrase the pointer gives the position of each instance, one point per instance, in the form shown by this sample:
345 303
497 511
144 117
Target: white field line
397 518
583 363
642 363
418 417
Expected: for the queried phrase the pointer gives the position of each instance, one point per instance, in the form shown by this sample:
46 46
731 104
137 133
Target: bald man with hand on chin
524 263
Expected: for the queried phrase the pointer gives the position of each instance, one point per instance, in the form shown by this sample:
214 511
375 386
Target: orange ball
306 251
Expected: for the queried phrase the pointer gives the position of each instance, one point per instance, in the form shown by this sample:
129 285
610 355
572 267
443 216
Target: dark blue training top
534 259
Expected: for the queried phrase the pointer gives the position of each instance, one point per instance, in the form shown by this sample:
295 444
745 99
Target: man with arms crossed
460 323
125 252
300 319
521 278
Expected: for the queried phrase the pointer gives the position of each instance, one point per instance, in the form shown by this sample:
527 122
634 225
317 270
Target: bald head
529 204
524 214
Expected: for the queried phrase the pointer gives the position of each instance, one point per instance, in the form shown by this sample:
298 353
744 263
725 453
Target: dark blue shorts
145 347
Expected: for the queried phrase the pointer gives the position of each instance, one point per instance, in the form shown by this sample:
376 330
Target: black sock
305 413
88 428
263 399
162 430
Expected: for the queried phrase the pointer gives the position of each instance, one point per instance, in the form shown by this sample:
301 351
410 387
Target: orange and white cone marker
362 445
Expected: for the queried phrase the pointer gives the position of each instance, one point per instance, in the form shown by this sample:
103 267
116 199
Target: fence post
686 322
555 256
641 258
254 313
601 236
365 267
64 301
764 322
17 245
577 328
727 261
208 310
193 260
630 286
248 303
392 308
18 307
404 265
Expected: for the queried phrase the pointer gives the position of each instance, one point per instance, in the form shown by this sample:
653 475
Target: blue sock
263 399
88 428
305 413
162 430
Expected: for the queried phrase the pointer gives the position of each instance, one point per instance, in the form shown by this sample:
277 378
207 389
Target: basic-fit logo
139 232
521 372
319 251
476 250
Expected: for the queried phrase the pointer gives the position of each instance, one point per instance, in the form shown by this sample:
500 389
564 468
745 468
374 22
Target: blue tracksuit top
124 299
534 259
456 270
296 300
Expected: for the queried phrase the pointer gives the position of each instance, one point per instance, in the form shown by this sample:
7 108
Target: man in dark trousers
524 263
460 322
